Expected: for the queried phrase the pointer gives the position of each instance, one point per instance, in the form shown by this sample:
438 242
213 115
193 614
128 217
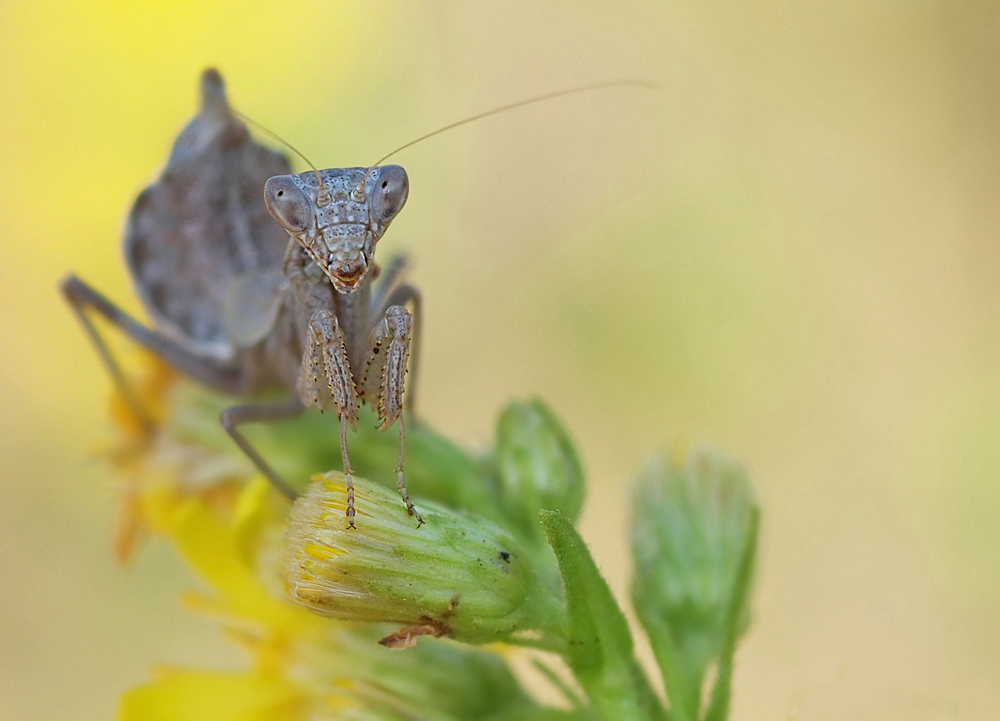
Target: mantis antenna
627 83
323 198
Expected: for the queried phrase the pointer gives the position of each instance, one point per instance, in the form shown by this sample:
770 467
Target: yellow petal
214 696
208 546
130 527
253 511
160 500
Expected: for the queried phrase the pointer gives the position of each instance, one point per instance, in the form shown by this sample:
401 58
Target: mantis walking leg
82 297
264 412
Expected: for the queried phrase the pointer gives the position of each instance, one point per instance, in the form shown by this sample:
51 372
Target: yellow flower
302 666
227 555
159 467
184 480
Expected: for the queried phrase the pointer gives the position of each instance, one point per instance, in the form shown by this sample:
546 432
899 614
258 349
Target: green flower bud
456 681
692 526
347 671
457 575
537 465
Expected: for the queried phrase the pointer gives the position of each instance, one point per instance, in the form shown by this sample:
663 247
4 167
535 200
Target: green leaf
542 713
599 647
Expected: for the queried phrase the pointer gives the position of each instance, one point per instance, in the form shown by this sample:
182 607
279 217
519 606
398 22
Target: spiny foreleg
385 372
326 381
408 296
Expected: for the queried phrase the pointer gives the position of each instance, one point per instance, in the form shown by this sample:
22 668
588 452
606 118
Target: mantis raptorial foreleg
326 381
383 382
402 295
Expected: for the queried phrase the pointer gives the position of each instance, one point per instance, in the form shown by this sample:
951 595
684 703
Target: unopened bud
537 465
457 575
692 526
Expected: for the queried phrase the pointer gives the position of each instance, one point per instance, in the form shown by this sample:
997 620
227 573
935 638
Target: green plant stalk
718 707
681 690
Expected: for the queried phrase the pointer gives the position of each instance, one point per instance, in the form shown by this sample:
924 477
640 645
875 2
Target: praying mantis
252 292
236 315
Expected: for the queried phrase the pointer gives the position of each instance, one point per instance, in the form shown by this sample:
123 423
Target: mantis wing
202 230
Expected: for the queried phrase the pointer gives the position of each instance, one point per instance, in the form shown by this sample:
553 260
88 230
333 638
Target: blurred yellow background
790 250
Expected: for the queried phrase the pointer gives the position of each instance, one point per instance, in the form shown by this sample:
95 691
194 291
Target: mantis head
338 215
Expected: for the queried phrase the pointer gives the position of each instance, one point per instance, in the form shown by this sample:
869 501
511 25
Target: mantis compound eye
287 204
389 192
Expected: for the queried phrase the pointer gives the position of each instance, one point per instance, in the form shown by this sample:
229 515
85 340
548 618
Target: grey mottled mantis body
244 305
